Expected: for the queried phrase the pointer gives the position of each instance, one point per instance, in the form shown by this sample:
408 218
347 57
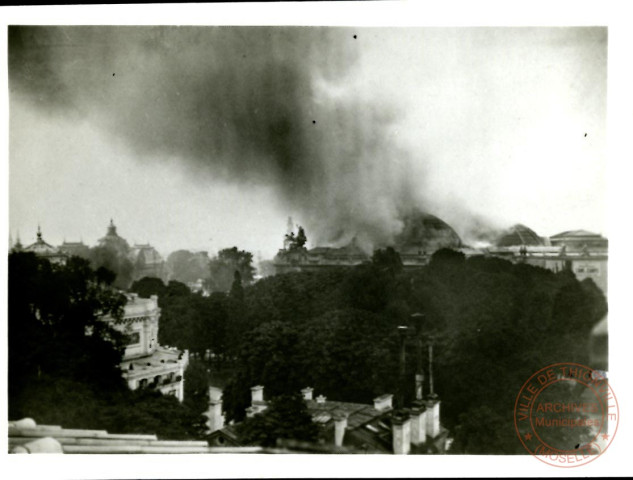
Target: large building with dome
584 253
144 259
146 364
43 249
422 235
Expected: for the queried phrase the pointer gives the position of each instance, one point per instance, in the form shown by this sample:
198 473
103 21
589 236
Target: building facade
146 364
43 249
584 253
147 262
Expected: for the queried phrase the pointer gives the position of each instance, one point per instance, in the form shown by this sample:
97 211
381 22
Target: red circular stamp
566 414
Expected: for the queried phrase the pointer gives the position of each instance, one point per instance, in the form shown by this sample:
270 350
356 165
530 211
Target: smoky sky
247 105
346 129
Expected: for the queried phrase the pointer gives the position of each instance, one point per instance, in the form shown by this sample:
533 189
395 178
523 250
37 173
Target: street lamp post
402 331
431 392
418 319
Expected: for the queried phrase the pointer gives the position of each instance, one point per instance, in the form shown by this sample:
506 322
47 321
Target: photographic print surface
294 239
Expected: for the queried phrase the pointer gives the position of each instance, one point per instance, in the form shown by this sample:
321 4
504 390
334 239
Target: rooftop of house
576 234
40 247
139 307
161 359
26 436
358 414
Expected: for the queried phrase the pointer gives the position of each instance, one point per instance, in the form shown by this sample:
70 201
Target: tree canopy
223 267
186 266
64 360
286 417
493 323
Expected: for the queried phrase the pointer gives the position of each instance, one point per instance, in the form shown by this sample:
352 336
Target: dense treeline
493 324
64 361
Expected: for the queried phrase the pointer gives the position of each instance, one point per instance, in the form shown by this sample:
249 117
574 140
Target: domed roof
113 241
519 235
423 232
43 249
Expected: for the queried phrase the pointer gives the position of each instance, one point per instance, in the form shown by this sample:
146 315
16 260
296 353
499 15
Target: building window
132 338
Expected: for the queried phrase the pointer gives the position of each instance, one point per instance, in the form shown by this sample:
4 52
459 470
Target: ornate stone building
147 262
43 249
584 253
146 364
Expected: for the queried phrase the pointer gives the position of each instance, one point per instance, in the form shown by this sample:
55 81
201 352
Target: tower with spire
43 249
113 241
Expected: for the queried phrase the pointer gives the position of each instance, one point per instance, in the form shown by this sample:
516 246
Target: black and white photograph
310 239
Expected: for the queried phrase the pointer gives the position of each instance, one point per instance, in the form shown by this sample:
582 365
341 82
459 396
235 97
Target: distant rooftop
576 233
519 235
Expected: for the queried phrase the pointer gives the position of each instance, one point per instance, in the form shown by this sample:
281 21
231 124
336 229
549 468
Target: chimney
321 399
307 393
214 413
401 430
257 394
340 424
133 297
418 424
433 416
384 402
258 404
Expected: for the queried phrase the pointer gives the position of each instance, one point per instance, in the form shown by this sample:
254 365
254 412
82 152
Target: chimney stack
321 399
418 424
214 413
307 393
257 394
401 430
340 424
258 404
384 402
433 416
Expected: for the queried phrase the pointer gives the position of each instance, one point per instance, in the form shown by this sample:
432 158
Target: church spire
112 229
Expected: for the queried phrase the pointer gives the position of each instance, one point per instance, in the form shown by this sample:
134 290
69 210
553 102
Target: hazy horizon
211 137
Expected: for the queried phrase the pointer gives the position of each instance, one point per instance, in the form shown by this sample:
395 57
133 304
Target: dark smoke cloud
272 106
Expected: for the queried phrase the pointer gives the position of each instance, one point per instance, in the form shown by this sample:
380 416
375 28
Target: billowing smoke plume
269 106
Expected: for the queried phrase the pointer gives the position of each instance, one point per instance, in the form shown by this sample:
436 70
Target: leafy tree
197 388
115 261
223 267
266 358
388 259
347 355
237 291
286 417
54 326
61 354
177 289
186 266
148 286
493 324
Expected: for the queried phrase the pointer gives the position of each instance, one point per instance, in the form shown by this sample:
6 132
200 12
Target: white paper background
614 15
